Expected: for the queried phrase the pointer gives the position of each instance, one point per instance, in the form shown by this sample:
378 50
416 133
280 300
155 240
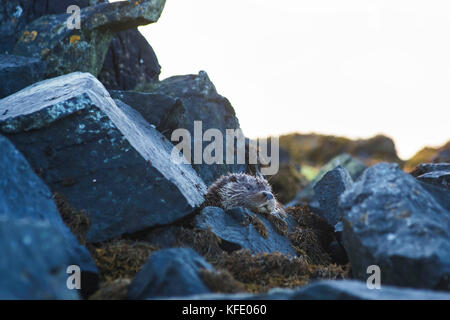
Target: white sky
351 67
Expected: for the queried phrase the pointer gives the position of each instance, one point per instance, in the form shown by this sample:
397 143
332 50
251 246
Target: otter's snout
267 195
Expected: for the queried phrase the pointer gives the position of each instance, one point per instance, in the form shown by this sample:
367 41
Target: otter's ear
233 178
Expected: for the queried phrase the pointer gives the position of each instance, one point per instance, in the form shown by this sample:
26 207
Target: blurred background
351 68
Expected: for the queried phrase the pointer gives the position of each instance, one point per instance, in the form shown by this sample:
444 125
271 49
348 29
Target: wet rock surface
105 159
392 221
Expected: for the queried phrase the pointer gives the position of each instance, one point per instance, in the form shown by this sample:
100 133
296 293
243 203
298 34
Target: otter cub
243 190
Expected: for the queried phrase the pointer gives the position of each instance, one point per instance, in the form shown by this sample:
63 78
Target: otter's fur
243 190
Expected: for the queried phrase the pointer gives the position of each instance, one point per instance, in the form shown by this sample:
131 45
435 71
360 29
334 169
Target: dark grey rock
18 72
49 39
24 195
107 160
234 226
34 261
129 62
440 178
356 290
354 167
198 101
170 272
331 290
155 108
430 167
441 195
327 192
16 14
433 173
392 221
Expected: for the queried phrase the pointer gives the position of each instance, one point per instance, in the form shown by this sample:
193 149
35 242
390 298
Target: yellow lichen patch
44 52
28 36
74 39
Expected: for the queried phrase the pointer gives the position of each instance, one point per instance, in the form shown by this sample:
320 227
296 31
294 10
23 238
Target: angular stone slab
392 221
232 226
170 272
18 72
66 50
107 160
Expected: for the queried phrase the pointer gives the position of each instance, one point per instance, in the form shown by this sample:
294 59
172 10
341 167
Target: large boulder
196 99
34 261
106 159
129 62
18 72
392 221
170 272
24 195
48 38
240 228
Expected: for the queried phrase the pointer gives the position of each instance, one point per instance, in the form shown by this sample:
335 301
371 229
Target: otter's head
242 190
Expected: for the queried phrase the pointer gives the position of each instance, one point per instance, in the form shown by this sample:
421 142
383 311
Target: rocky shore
86 180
